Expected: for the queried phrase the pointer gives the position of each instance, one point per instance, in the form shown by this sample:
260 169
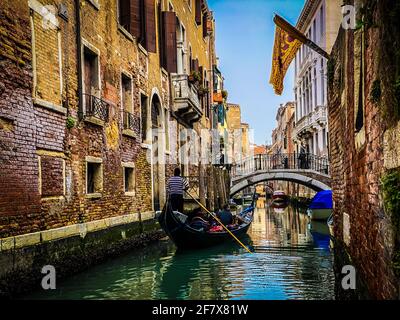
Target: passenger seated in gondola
198 220
225 216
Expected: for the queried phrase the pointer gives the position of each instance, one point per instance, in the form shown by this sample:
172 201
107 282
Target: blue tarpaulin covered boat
321 205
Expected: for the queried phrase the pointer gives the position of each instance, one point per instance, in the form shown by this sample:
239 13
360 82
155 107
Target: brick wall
36 134
19 197
357 166
43 163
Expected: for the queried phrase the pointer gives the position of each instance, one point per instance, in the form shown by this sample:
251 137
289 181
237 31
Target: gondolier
176 186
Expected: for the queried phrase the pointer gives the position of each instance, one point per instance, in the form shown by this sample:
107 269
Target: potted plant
194 77
203 90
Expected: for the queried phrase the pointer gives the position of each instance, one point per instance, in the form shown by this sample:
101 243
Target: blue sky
245 37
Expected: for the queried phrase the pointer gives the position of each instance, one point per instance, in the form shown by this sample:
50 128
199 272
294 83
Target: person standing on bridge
176 186
302 157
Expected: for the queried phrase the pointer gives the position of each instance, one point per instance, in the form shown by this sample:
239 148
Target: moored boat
321 206
279 196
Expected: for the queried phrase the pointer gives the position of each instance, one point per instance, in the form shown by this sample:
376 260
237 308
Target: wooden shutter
136 18
201 73
124 14
198 14
169 36
150 18
205 29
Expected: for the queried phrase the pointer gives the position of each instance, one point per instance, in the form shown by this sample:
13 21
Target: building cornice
306 14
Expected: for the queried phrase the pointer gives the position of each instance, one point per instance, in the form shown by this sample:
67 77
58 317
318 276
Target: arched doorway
156 125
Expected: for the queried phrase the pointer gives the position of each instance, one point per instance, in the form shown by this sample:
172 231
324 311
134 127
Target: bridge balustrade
293 161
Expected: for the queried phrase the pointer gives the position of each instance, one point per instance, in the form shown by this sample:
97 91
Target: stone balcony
186 102
311 122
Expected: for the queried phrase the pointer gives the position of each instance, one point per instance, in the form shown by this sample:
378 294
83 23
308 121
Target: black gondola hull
186 237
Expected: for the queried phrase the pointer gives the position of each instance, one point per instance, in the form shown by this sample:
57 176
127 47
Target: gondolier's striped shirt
176 185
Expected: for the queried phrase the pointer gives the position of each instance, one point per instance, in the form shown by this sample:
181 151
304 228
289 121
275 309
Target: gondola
185 237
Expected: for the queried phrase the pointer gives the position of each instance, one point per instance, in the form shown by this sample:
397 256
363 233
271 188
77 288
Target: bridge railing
286 161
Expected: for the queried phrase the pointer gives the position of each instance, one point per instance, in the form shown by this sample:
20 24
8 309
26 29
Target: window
138 17
126 93
198 13
94 176
124 14
129 178
170 33
322 21
143 108
190 59
315 88
184 49
91 80
160 24
310 91
322 83
315 30
93 106
205 30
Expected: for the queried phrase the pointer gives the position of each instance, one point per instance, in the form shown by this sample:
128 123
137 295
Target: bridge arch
302 179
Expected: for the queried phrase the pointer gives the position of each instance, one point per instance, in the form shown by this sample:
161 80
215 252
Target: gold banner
285 49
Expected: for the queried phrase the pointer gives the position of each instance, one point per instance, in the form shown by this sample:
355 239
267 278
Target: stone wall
70 249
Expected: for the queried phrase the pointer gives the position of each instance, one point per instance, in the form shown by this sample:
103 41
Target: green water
292 260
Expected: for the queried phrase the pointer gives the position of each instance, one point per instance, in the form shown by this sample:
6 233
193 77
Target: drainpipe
79 56
81 214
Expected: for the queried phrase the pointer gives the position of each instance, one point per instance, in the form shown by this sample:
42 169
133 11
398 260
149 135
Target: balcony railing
132 122
302 124
186 98
311 121
319 115
96 107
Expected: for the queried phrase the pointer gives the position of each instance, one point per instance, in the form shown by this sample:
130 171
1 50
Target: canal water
292 260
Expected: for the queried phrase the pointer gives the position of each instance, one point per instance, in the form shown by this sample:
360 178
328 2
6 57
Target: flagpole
295 33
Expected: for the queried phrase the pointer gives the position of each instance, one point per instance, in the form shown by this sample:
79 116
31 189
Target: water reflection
290 262
280 225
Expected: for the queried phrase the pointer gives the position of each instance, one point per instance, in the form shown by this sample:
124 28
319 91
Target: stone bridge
306 169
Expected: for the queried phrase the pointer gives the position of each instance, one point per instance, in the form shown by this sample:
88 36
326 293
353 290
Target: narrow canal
292 260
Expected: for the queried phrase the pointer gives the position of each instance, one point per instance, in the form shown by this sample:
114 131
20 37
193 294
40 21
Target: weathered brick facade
47 139
363 228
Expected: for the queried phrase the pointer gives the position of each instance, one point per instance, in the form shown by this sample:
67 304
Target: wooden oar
223 226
